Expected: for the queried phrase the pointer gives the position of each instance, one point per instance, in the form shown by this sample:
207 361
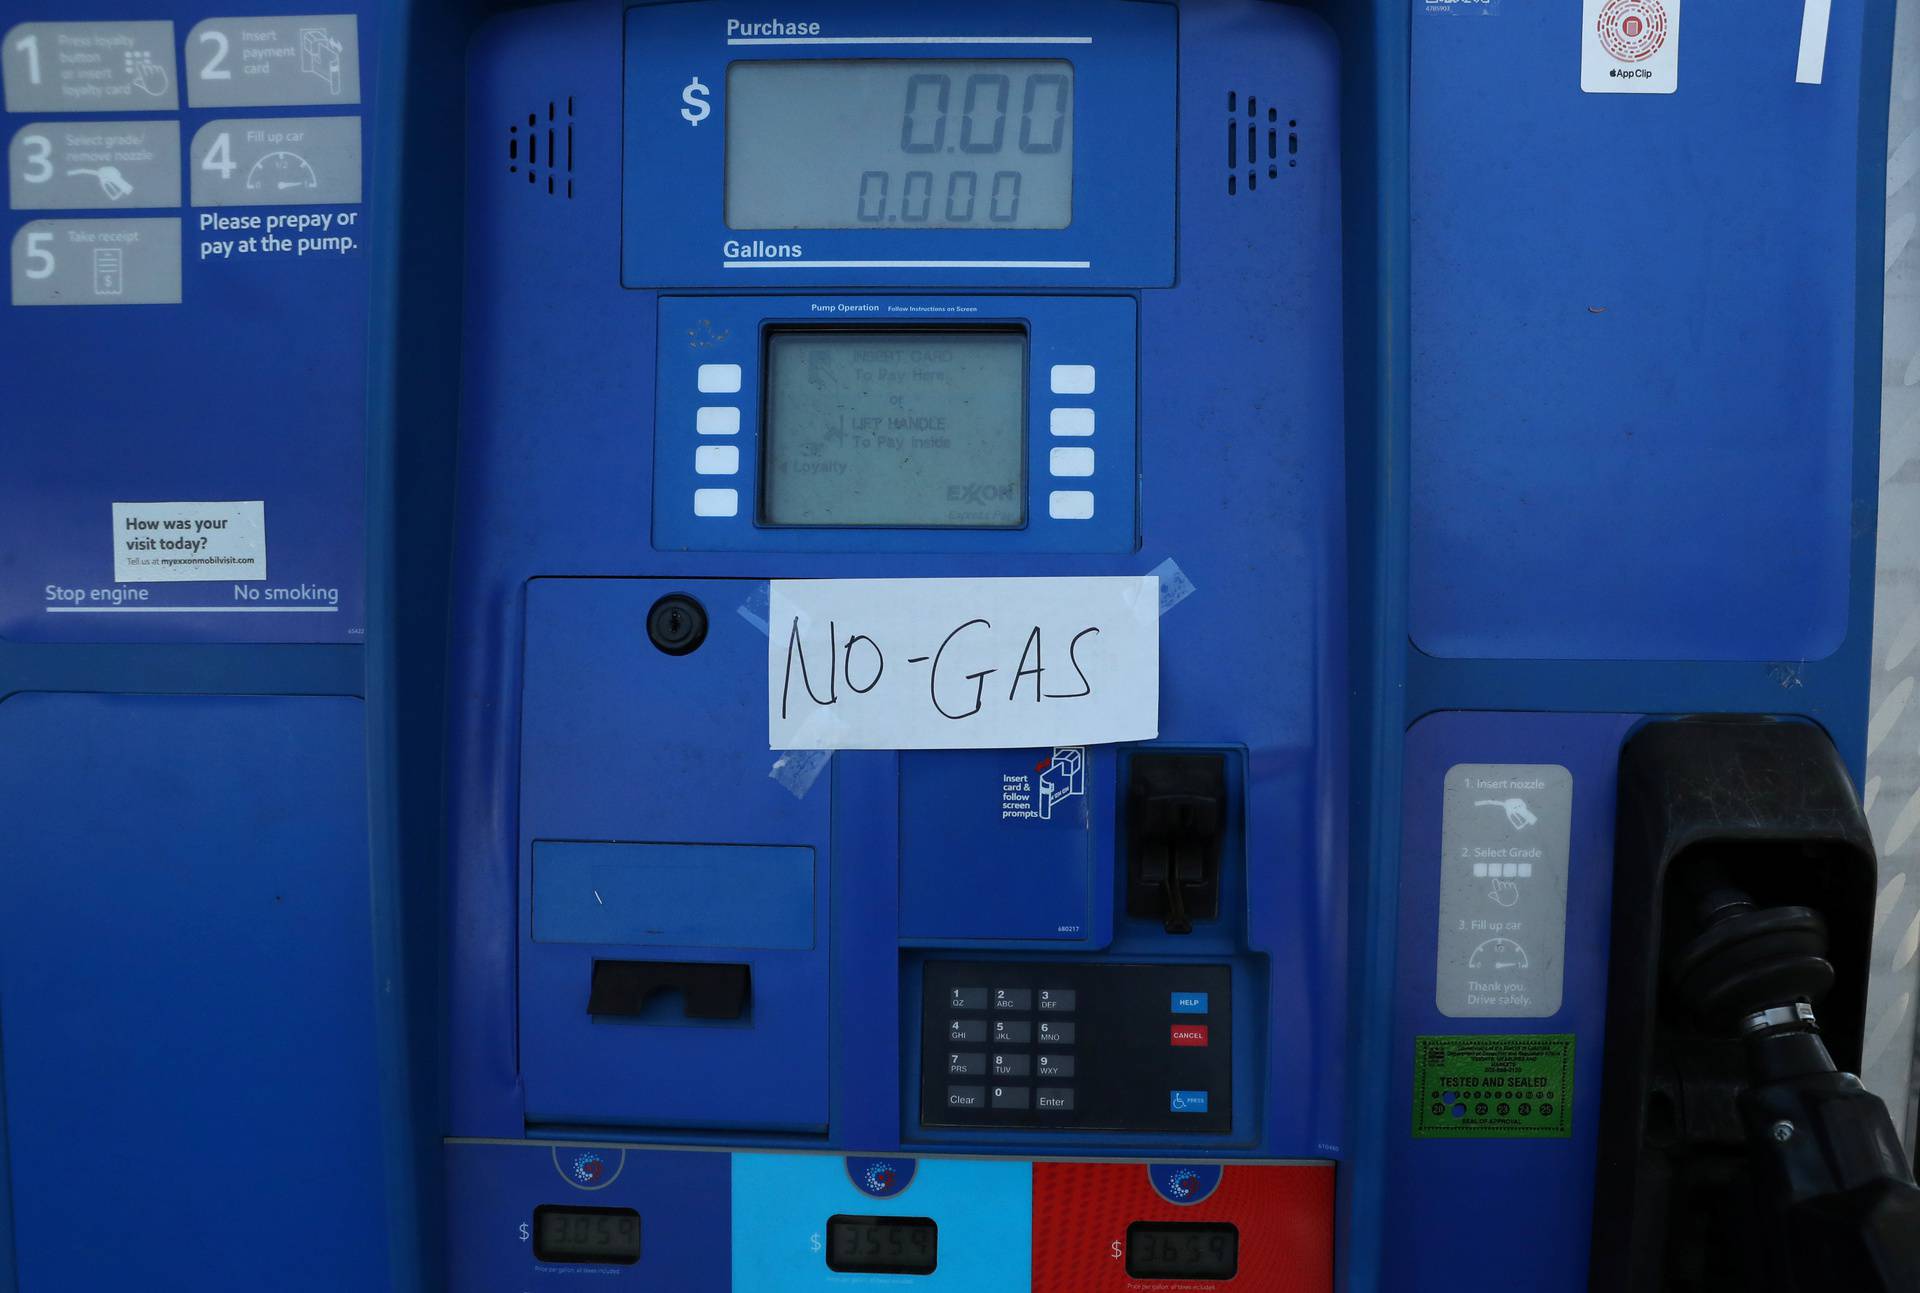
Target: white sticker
1814 19
959 664
187 542
1630 47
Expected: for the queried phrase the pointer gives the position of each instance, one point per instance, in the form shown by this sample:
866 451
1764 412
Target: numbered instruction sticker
276 161
1497 1086
274 61
89 67
89 165
97 262
186 542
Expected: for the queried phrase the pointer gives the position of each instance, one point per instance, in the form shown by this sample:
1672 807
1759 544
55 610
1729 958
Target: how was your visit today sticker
180 542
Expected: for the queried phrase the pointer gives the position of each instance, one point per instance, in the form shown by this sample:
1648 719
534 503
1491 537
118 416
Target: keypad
1076 1044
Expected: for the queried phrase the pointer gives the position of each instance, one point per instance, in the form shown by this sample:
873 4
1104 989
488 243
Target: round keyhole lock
677 624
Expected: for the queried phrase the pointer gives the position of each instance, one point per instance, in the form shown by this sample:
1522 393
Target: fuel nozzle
1837 1197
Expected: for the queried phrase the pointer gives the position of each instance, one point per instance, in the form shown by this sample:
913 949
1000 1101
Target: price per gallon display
900 143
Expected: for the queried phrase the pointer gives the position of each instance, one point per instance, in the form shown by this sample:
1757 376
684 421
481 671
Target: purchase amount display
900 144
913 427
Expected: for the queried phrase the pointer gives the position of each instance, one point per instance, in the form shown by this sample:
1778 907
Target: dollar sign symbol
524 1232
1116 1250
695 96
815 1241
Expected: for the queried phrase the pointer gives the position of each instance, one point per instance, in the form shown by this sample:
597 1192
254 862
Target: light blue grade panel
1633 409
186 995
780 1202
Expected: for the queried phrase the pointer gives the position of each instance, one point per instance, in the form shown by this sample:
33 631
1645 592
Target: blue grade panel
682 1198
1632 397
186 994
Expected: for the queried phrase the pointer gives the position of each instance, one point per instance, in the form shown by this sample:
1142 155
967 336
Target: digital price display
900 144
883 1245
1203 1250
901 427
604 1236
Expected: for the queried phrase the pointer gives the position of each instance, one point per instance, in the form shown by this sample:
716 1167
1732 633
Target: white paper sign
161 543
1630 47
950 664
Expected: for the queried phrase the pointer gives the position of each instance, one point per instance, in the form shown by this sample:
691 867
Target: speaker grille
542 148
1254 146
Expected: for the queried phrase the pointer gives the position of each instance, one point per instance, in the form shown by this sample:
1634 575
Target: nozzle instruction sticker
178 542
1504 835
957 664
1516 1086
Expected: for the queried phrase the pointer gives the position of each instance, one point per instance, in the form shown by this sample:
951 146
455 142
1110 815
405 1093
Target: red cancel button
1189 1034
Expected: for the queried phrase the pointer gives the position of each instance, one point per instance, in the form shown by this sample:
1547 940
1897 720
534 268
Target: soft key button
1071 422
717 419
1072 379
719 379
1075 461
716 502
716 460
1070 505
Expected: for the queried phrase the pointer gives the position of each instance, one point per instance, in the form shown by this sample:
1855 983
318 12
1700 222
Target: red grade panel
1081 1212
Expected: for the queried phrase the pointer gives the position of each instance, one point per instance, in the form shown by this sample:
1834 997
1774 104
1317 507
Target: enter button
1189 1034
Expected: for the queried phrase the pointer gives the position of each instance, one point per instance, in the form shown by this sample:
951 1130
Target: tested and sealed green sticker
1508 1086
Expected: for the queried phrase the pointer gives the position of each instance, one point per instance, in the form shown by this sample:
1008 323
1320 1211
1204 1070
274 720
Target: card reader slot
709 990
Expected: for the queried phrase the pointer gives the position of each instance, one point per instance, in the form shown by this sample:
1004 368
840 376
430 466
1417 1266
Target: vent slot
541 148
1253 143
